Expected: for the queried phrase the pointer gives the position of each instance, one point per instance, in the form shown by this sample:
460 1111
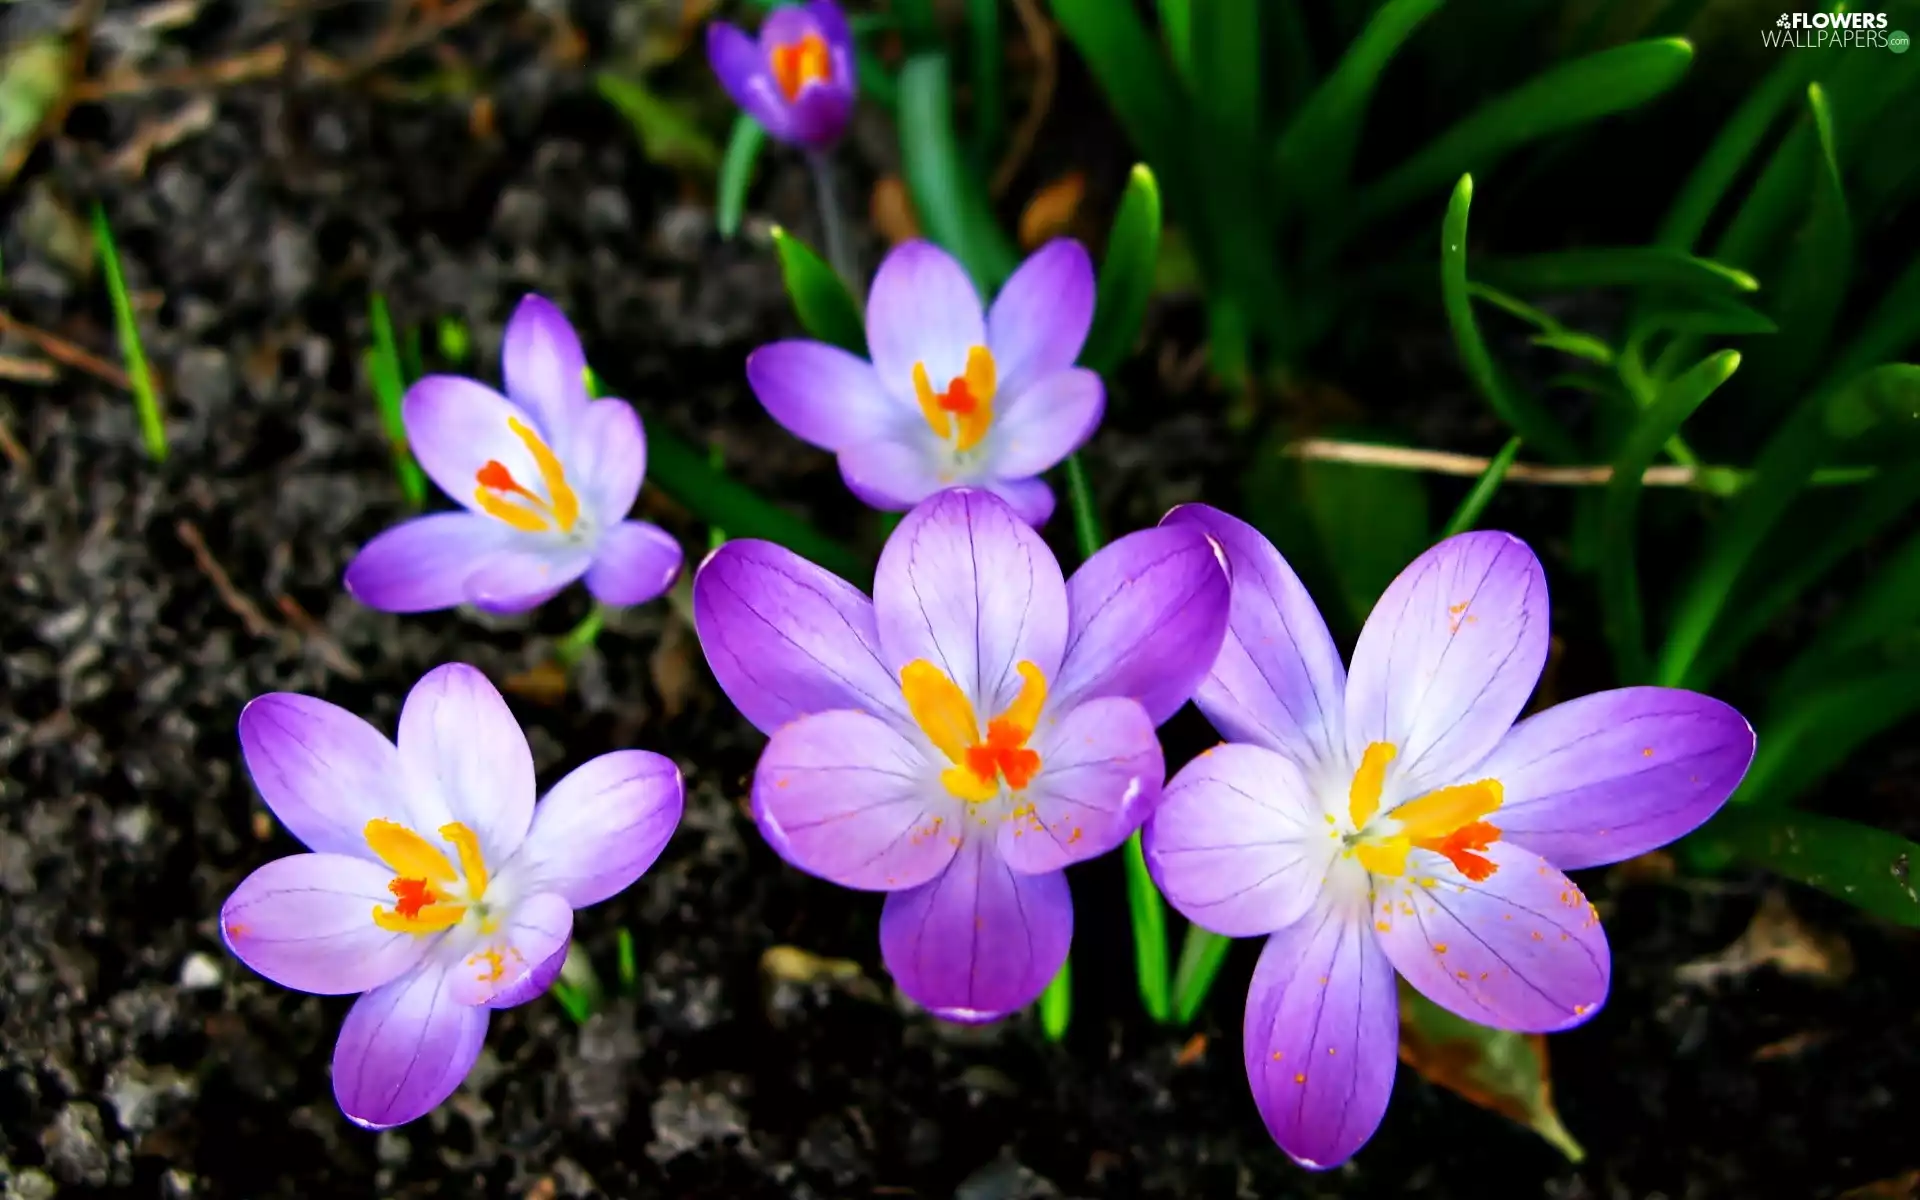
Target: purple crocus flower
961 738
798 79
436 886
546 475
1395 820
953 396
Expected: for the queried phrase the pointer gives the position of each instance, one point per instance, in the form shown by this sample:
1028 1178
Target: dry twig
235 600
317 636
11 447
1446 462
63 351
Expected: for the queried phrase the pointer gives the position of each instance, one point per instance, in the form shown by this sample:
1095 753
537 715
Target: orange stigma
530 512
411 895
964 412
1447 821
796 64
946 716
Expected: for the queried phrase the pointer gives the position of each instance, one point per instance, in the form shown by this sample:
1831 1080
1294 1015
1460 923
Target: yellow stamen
936 416
940 708
434 918
498 506
566 506
796 64
1439 813
423 875
980 765
505 498
407 853
981 379
1024 712
472 863
1388 856
964 412
962 782
1363 795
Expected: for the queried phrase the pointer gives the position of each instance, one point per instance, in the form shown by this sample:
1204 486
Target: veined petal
534 983
1239 844
544 367
844 796
823 395
1448 658
1100 775
1031 499
633 563
456 426
1147 615
522 578
607 458
1521 949
980 940
404 1048
306 922
922 309
601 827
891 475
423 564
1048 419
501 965
1322 1033
744 72
325 773
1040 319
459 739
1278 681
1615 774
967 585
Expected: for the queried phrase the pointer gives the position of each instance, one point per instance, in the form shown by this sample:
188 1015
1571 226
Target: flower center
797 64
964 412
429 893
1446 821
946 716
501 495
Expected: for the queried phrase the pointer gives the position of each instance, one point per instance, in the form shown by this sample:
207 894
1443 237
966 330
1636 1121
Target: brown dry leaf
1791 1046
672 669
545 684
1192 1052
891 211
1493 1068
14 369
1778 939
1051 211
1900 1187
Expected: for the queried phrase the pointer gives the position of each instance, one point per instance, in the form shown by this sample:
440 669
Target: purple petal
1100 775
1147 615
922 309
633 563
1521 949
891 476
1240 844
403 1049
1448 658
456 426
306 922
607 458
1322 1033
1040 319
820 113
535 983
785 638
503 966
967 585
523 578
743 70
324 772
423 564
787 24
601 827
1031 498
981 940
458 738
844 796
832 24
1047 420
1619 773
543 366
823 395
1278 681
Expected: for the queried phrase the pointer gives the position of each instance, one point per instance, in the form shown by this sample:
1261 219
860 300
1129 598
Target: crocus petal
423 564
502 965
403 1049
968 586
534 983
823 395
456 426
785 638
1322 1032
744 72
1278 681
1521 949
844 796
607 458
890 475
1148 613
1100 775
306 922
1239 844
1448 658
820 113
1039 321
981 940
325 773
1049 419
786 25
922 309
601 827
543 366
523 577
832 24
633 563
1031 498
459 738
1616 774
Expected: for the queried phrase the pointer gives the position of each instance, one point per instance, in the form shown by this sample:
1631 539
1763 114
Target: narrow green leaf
1884 401
1887 606
1520 411
1135 78
1496 1069
877 83
1232 217
1086 518
736 172
1468 514
1149 916
1687 219
826 308
33 76
948 194
1202 954
1619 572
1056 1004
1126 274
917 21
1892 330
1704 317
667 132
1515 307
983 60
146 398
389 384
1579 345
1176 30
1866 867
1622 266
1815 731
627 963
452 340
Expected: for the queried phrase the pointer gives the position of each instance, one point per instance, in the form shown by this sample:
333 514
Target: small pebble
200 972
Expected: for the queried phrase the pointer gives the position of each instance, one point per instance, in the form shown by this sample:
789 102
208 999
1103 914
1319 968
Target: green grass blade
1056 1004
389 382
983 61
628 963
1086 518
1625 266
1704 189
826 309
1149 916
749 137
1468 514
668 134
1866 867
1126 274
1892 330
1879 611
1176 30
948 193
146 398
1202 954
1520 411
1619 572
1133 75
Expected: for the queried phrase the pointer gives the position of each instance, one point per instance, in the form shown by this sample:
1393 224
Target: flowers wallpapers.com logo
1837 31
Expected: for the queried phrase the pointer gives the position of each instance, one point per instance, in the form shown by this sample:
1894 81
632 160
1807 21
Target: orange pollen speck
411 895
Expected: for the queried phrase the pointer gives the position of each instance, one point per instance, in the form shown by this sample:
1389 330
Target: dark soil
140 1060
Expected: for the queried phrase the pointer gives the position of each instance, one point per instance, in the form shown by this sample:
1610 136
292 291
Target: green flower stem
834 224
580 639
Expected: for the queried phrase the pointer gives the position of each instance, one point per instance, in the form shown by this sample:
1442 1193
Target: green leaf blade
826 309
948 194
749 137
1126 274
